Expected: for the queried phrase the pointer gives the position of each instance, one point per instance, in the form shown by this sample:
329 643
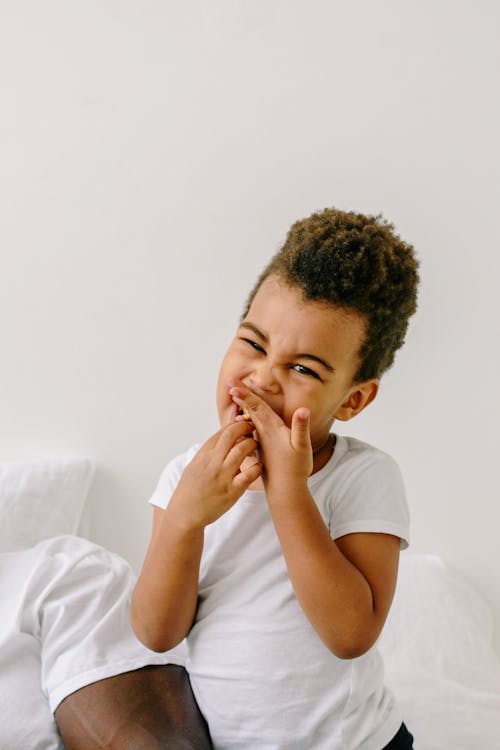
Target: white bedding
65 624
440 661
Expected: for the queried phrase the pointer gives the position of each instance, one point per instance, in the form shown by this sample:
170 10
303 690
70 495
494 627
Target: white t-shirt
262 677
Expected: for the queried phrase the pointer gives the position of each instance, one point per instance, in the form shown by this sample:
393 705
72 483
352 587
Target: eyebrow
300 355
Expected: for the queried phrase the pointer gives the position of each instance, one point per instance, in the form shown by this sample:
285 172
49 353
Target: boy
275 545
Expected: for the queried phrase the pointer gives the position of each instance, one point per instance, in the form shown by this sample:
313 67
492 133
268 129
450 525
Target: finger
240 451
245 478
230 435
260 413
214 439
300 435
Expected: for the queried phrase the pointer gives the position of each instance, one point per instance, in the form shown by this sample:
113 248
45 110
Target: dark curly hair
358 263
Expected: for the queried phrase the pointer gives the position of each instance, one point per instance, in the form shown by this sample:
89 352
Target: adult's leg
151 708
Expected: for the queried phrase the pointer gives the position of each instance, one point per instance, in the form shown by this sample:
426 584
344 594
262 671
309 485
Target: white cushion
440 660
41 499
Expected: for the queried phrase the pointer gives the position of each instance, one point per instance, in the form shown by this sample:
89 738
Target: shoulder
170 476
365 491
362 459
355 461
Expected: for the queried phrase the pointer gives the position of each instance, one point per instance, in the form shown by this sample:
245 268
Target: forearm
165 596
334 594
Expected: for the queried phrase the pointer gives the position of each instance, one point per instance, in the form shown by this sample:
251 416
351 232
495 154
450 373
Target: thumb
300 436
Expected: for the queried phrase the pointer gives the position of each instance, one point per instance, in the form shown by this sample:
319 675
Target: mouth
241 412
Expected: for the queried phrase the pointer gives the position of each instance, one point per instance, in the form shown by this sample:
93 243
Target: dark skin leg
152 708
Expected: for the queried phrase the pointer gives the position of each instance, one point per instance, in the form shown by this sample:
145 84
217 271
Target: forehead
282 313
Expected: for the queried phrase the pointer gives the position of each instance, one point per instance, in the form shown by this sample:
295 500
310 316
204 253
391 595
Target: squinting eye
255 345
305 371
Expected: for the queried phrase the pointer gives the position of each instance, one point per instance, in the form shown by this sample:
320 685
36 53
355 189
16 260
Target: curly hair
357 263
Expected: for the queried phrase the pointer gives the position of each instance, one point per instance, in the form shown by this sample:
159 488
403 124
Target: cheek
295 396
230 368
224 373
234 364
321 407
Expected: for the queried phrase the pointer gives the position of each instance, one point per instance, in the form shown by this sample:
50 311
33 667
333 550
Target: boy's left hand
285 452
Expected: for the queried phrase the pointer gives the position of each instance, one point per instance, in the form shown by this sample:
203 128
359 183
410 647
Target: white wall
153 155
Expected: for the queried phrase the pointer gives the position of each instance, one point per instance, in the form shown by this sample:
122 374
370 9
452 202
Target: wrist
287 490
179 516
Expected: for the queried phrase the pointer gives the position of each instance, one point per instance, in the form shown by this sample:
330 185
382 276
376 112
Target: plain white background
152 157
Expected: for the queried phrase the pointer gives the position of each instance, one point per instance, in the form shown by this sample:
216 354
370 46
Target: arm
165 596
345 587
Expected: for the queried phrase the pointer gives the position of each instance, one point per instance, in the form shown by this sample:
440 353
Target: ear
359 396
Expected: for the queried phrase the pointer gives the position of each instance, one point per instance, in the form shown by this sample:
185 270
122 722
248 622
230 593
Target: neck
322 455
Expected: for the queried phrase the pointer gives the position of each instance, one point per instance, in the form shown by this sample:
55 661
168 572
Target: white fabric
437 645
41 499
261 674
64 625
439 655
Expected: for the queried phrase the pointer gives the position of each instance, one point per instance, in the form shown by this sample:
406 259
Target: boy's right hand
212 481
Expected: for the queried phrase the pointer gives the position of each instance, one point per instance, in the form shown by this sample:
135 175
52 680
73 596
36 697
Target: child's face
294 352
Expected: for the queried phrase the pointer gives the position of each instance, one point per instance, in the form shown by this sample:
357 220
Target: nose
263 378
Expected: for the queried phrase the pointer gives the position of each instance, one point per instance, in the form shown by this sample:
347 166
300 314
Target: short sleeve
371 498
170 476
